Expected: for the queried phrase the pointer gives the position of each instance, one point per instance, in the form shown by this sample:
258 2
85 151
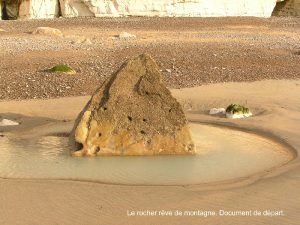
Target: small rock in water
215 111
132 113
48 31
6 122
125 35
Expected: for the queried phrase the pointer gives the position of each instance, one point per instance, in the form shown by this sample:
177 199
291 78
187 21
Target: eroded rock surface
132 113
287 8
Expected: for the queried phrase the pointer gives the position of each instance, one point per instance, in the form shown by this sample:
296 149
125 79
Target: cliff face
171 8
44 9
287 8
198 8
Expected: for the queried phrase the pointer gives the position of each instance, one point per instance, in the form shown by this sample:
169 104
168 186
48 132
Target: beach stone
48 31
132 113
236 111
125 35
215 111
6 122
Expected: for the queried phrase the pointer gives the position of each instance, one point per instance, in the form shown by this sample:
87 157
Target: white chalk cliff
39 9
169 8
172 8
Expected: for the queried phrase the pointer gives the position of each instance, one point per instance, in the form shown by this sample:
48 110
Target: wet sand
276 109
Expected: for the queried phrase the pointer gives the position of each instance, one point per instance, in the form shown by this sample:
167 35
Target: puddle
223 154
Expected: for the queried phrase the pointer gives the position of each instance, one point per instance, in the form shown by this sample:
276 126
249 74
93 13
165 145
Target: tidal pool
223 154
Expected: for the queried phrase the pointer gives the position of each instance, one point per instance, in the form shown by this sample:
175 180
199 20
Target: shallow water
223 154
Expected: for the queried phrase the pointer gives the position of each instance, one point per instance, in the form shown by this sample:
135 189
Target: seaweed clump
61 69
237 109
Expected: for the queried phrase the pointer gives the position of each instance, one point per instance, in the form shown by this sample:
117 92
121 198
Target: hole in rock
129 118
143 132
78 146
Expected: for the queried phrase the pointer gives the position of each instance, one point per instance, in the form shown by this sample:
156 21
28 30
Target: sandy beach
189 51
74 202
254 62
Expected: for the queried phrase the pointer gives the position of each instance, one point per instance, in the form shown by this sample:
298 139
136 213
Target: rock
48 31
125 35
132 113
238 115
79 39
6 122
168 70
2 30
287 8
11 9
235 111
215 111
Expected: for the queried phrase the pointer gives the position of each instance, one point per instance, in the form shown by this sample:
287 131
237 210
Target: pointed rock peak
133 113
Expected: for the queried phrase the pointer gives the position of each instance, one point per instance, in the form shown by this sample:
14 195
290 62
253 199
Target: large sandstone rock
133 113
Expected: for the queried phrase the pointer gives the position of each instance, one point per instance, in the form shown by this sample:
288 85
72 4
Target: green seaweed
235 108
61 69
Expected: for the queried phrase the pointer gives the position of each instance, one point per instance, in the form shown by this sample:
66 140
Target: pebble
215 111
125 35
